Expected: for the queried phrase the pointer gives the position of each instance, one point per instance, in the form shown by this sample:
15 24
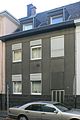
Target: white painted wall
77 58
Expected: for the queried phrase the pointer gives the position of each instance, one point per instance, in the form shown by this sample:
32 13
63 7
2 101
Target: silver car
44 110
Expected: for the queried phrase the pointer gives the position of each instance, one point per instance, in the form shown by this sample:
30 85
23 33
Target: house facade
8 24
42 59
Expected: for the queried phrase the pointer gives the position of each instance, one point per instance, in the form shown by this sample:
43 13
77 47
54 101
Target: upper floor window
17 52
57 46
27 26
56 19
17 84
36 49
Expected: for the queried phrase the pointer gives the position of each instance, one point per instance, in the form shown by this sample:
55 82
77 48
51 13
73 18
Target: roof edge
6 13
40 30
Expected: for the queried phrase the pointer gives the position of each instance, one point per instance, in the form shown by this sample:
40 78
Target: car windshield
62 107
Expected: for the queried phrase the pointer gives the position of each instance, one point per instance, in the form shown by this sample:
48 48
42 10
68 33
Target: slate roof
70 12
41 21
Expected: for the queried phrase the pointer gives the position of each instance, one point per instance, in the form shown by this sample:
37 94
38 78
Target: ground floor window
17 84
36 87
36 84
17 87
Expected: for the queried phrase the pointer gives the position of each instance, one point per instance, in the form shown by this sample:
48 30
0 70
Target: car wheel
22 117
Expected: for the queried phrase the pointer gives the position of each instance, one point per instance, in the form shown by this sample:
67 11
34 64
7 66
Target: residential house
8 25
42 58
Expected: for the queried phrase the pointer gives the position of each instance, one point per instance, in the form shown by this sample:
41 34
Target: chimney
31 10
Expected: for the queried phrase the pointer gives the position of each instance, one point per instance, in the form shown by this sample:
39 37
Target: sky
18 8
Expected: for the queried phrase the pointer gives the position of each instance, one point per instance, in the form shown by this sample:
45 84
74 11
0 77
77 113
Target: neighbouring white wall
77 59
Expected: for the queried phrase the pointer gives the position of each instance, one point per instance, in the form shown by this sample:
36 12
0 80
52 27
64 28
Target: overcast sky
18 8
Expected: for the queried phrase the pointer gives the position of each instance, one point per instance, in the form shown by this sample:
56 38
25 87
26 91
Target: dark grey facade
57 73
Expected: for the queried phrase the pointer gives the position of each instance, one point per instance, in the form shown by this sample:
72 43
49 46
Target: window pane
17 55
17 87
35 107
36 52
48 108
36 86
27 27
57 20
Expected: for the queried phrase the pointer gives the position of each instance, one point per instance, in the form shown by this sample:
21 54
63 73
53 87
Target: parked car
44 110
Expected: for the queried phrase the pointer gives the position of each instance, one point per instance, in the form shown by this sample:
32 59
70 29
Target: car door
49 113
33 112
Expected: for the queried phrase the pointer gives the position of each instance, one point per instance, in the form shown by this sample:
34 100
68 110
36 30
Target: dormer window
56 19
27 26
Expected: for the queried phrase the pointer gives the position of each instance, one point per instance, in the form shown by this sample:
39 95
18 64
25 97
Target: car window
34 107
61 107
48 108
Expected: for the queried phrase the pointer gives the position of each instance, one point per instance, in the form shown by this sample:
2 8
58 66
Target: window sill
36 58
17 61
17 93
35 93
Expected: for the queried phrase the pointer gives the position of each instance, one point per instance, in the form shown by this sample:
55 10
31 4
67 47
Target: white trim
17 61
32 47
16 78
28 24
13 56
77 61
32 77
36 93
17 93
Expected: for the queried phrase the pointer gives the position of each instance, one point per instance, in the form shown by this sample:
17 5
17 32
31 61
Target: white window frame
35 93
13 88
13 56
55 17
35 80
16 49
32 47
26 25
18 75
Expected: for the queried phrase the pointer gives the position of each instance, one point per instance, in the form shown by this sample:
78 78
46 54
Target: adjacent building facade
42 59
8 25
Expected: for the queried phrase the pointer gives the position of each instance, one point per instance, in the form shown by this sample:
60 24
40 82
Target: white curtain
17 87
17 55
36 86
36 52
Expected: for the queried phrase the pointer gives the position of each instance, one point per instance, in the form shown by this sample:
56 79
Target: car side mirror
56 111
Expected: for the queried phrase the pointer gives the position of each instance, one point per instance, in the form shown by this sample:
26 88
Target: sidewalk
3 114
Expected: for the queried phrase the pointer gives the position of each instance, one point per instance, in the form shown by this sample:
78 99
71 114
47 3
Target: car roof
49 102
42 102
38 102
